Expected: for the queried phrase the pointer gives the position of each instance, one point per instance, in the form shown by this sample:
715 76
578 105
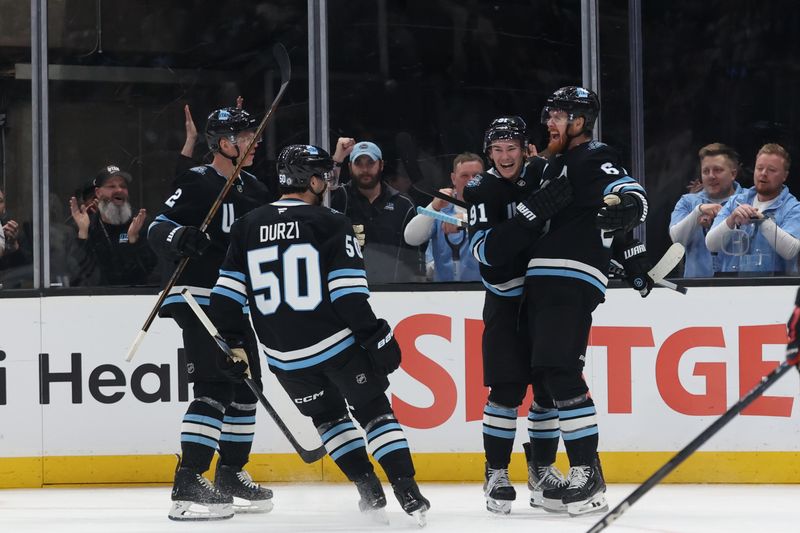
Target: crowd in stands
727 230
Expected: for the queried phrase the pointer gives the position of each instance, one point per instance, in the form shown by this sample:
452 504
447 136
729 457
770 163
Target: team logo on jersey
521 182
389 206
475 181
190 368
361 379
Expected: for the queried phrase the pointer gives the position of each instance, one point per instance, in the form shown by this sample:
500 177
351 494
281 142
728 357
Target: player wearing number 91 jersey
299 268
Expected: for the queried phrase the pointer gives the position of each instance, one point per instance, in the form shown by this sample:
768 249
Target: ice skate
499 492
373 499
586 491
545 479
195 498
411 499
248 496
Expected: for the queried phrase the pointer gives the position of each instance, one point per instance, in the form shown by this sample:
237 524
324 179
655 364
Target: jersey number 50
299 294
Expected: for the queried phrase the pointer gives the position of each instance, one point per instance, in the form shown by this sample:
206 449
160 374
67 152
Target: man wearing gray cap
384 212
111 246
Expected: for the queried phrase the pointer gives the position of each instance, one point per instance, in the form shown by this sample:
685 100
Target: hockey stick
309 456
282 57
668 261
690 448
440 216
407 151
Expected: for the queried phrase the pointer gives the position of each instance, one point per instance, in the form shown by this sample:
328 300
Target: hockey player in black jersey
567 274
222 414
507 212
299 267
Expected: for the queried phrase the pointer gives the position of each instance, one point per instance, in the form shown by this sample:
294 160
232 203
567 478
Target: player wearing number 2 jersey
299 268
222 414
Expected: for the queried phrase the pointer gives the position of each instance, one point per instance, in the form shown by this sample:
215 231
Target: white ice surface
326 508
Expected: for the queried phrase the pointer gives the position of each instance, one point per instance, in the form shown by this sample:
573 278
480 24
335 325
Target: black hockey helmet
576 102
226 123
503 128
298 162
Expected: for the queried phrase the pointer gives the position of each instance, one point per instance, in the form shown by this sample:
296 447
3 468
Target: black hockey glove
622 212
793 327
384 352
188 241
544 203
235 367
637 264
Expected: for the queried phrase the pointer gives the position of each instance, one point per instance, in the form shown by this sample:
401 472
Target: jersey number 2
299 294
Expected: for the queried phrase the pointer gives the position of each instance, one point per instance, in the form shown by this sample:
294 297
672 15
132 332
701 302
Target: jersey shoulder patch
476 189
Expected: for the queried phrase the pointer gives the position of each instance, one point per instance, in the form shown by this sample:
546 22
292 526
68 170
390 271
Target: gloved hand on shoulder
544 203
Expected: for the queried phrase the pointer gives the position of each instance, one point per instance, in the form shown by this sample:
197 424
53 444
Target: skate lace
549 476
498 478
207 484
247 479
578 476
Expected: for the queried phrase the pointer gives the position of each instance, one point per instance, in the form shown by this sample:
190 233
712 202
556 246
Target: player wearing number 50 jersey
299 268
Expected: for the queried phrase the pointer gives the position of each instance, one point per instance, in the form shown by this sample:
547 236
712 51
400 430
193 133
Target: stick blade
668 262
135 346
407 152
282 57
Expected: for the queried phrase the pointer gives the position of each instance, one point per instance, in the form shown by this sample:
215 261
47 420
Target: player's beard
115 214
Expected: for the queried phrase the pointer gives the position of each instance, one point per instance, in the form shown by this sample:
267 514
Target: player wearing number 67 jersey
299 268
566 276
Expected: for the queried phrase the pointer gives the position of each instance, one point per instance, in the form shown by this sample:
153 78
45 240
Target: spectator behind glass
448 252
758 229
8 237
694 213
14 262
111 247
384 212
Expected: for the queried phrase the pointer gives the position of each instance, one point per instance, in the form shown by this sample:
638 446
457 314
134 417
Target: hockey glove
361 235
384 352
793 326
544 203
637 264
622 212
188 241
235 367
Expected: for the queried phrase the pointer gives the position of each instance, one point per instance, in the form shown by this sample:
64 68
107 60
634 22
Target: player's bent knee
565 383
508 394
370 411
219 391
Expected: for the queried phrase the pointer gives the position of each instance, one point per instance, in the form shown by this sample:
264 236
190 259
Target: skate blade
538 501
419 516
595 504
379 516
241 505
190 511
498 506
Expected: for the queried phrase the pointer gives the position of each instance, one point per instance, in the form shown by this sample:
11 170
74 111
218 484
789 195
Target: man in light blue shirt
694 213
758 230
448 246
